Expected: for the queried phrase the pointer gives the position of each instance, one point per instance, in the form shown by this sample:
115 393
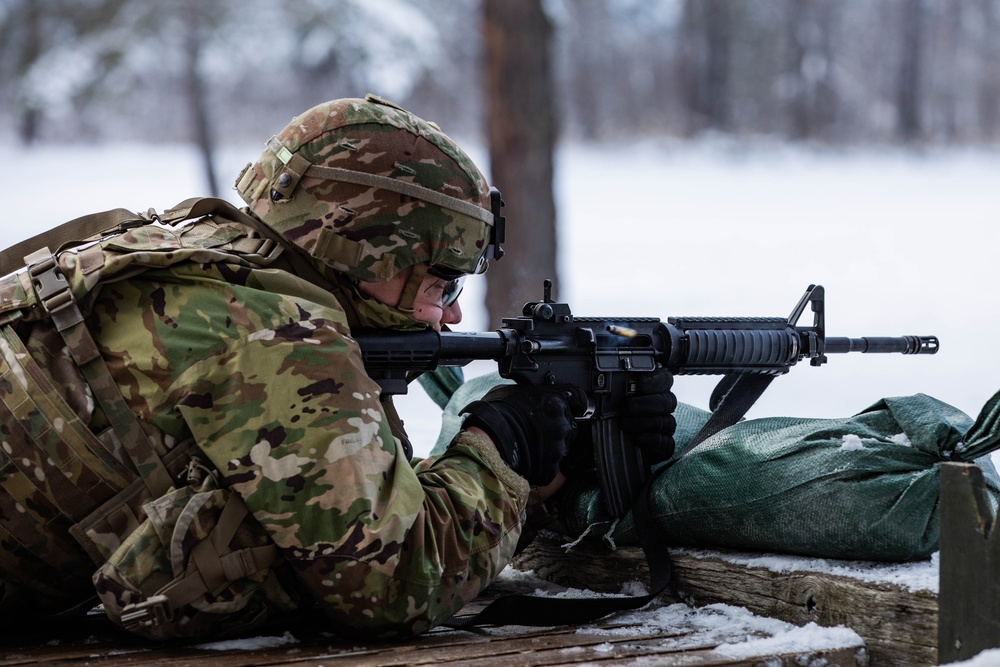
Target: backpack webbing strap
56 297
47 442
79 229
198 207
212 567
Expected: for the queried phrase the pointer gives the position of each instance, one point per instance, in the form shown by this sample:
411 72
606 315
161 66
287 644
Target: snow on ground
904 243
735 631
988 658
249 643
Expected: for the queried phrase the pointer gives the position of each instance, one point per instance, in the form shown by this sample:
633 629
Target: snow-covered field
904 243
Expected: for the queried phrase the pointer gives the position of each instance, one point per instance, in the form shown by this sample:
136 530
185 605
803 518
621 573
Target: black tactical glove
647 421
531 427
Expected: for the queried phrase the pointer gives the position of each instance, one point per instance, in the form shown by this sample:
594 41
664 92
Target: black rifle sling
530 610
734 396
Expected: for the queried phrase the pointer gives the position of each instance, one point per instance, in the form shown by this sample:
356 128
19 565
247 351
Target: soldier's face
432 304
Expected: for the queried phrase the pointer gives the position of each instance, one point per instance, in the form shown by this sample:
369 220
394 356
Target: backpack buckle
147 614
50 285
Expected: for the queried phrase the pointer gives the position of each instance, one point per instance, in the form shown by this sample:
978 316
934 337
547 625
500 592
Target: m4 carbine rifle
593 361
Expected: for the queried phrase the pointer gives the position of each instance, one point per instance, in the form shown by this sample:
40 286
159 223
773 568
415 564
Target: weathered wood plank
846 657
899 626
541 648
970 565
538 649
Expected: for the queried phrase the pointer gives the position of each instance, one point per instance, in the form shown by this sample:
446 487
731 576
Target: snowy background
904 243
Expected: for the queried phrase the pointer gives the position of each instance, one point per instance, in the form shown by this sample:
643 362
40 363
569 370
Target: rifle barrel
882 344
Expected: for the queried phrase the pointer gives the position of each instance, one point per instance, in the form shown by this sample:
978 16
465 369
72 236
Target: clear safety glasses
452 288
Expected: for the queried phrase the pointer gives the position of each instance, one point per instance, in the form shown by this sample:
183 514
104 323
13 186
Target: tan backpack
177 555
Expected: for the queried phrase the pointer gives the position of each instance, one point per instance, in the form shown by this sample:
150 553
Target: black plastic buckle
499 234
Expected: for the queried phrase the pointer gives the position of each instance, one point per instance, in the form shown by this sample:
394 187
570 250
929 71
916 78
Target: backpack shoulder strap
198 207
56 297
78 229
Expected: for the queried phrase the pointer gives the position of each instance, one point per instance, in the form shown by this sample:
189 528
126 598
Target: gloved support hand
646 415
531 427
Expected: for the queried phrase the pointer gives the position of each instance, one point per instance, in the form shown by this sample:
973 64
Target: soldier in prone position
185 412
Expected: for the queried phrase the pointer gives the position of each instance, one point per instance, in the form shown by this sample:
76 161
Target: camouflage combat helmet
367 189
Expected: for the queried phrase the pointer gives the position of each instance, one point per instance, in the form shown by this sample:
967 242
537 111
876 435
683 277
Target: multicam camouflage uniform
214 340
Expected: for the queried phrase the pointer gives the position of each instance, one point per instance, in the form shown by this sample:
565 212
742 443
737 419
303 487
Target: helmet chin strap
369 311
412 287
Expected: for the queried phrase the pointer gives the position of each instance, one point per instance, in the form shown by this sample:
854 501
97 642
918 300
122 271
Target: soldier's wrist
477 439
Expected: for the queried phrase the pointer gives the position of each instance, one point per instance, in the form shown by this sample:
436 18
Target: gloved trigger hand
531 427
647 419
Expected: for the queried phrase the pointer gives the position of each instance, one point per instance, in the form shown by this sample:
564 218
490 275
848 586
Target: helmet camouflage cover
368 189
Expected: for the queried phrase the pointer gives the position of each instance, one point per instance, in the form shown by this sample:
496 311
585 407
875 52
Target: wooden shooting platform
303 641
524 647
898 627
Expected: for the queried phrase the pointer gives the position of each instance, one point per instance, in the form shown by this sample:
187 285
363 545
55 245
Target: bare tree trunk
908 92
589 67
799 34
706 45
521 133
197 96
812 105
989 91
32 39
719 36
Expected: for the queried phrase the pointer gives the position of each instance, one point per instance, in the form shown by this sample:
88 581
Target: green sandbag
865 487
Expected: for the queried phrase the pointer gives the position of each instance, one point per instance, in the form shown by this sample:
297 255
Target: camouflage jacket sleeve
265 377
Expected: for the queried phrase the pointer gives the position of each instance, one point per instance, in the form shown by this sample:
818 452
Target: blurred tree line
511 74
830 70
